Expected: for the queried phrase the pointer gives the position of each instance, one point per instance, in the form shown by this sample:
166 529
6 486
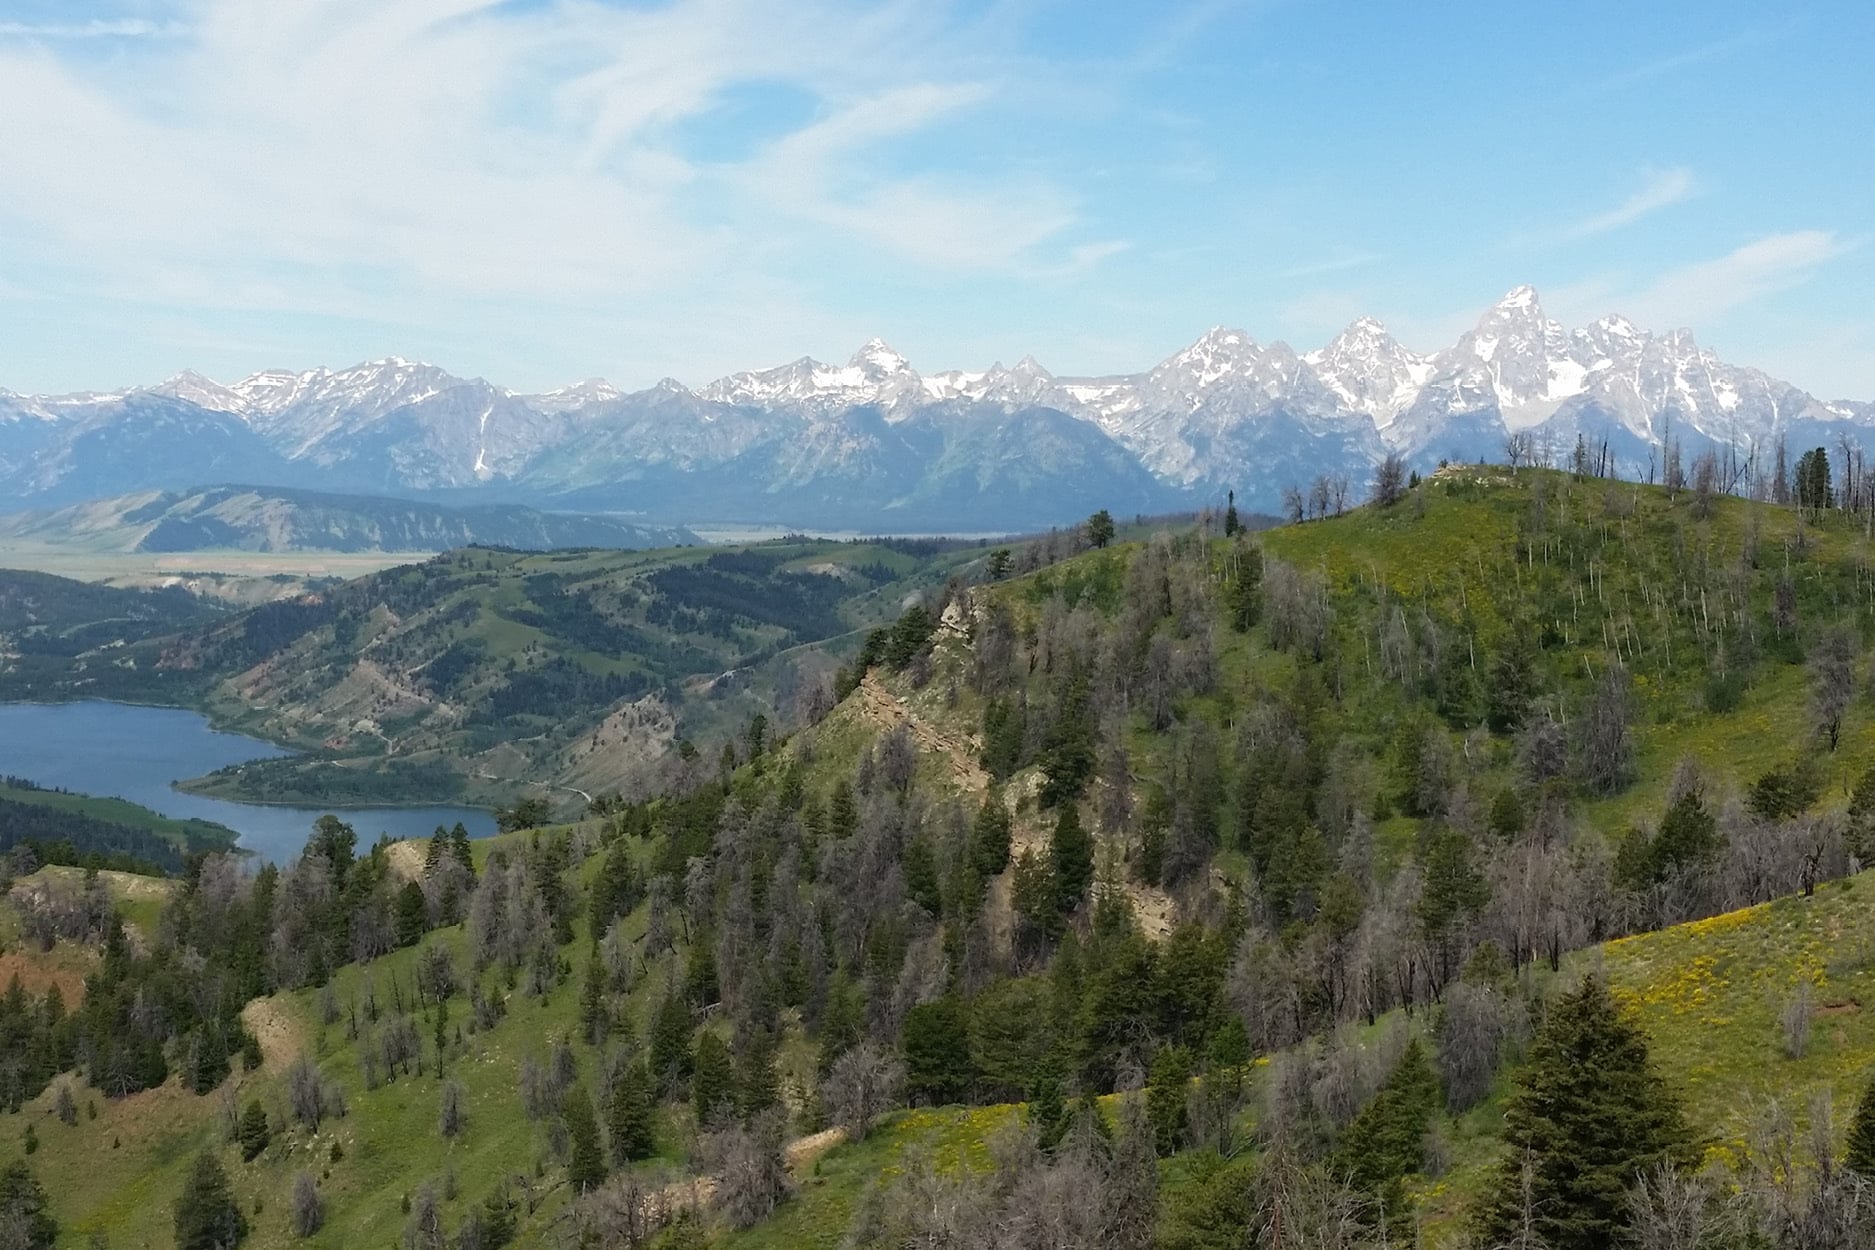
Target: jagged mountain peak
878 356
1225 411
1520 297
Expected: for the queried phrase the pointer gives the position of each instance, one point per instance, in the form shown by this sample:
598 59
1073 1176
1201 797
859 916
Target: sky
541 191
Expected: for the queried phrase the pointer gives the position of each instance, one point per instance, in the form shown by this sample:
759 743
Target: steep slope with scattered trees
1408 870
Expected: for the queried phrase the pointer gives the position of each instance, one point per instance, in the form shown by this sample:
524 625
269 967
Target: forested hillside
493 674
1306 887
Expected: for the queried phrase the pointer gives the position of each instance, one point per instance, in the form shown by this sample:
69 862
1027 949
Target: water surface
137 753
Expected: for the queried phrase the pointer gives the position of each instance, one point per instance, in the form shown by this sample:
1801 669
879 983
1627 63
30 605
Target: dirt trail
803 1152
407 858
692 1192
888 711
280 1042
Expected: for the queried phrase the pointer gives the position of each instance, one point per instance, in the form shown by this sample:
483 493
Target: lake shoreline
154 755
204 784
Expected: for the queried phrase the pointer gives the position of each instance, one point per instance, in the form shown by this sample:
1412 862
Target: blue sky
540 191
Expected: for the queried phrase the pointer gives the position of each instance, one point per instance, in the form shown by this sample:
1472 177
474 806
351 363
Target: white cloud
1698 293
1343 260
96 28
398 154
1662 188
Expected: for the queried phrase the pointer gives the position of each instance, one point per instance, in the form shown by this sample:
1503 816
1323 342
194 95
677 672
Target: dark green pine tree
459 847
1861 1156
439 847
253 1132
1387 1140
1071 852
1245 596
989 836
594 1012
1688 834
633 1116
1048 1109
842 1021
207 1216
1166 1098
921 875
23 1209
938 1067
1589 1116
670 1040
1004 726
412 914
1231 523
1100 528
1513 682
585 1163
713 1086
758 1084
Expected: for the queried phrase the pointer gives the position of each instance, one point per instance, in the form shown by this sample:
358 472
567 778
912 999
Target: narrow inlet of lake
119 750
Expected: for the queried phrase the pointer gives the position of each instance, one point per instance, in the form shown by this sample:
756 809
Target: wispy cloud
1703 290
1662 188
1669 63
1343 260
438 146
97 28
1082 258
1698 293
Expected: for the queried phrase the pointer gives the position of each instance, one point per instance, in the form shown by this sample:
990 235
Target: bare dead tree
866 1081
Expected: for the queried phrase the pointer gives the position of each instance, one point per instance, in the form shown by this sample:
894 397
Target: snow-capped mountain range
874 444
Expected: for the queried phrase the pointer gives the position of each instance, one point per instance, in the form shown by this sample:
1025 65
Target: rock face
875 444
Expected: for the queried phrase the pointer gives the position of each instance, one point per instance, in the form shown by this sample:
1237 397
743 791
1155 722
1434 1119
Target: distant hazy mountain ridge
272 519
875 444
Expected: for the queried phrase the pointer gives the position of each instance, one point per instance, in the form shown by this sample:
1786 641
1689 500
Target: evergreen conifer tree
1071 852
989 836
207 1216
585 1164
713 1087
1048 1110
670 1039
23 1208
632 1119
593 1015
1166 1095
253 1132
1590 1116
412 914
1861 1156
1387 1140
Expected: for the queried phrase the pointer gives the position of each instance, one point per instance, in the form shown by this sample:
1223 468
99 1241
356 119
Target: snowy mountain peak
202 391
878 356
1368 369
1224 412
1519 297
1222 340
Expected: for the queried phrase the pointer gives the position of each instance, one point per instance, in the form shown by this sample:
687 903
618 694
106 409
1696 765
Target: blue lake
137 753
